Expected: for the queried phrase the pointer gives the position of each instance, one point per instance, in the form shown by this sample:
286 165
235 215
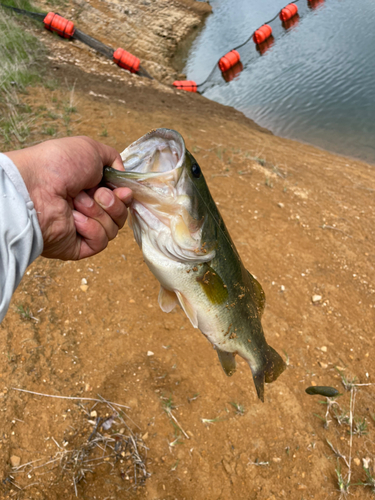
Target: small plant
268 182
49 131
343 485
240 410
360 427
104 132
25 312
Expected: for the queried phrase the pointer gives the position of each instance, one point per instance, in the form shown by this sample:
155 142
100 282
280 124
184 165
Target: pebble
282 288
15 461
150 353
316 298
93 414
281 205
131 301
276 459
324 348
84 288
322 365
357 461
83 281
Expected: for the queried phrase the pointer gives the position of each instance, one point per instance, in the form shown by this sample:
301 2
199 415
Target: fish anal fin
275 365
212 285
167 300
189 310
227 361
257 293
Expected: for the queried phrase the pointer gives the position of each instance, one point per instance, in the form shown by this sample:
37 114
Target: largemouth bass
187 247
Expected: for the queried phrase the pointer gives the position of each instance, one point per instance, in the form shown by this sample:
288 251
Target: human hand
77 218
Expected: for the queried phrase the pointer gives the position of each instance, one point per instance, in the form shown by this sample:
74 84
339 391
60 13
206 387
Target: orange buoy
188 85
262 33
314 4
58 24
126 60
288 12
266 45
232 72
229 60
291 22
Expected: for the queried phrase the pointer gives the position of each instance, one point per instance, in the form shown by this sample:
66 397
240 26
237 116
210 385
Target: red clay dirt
303 222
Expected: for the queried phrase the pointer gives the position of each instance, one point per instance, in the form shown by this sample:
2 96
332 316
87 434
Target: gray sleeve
20 236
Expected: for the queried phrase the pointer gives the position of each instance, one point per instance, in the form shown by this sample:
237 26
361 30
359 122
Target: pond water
314 81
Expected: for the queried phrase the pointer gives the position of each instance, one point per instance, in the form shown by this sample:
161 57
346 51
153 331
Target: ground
303 222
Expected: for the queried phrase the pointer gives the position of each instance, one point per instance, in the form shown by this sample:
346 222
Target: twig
325 226
74 398
169 412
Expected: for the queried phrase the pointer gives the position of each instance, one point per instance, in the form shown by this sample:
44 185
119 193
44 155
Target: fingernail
78 217
106 198
84 199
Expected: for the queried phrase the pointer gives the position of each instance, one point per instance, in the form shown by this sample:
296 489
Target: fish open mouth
158 152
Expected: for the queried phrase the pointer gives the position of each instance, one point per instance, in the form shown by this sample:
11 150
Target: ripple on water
315 84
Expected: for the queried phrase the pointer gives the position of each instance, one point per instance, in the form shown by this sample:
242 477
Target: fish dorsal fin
227 361
167 300
257 294
189 310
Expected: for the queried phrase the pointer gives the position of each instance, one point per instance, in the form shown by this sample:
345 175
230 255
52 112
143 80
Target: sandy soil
303 222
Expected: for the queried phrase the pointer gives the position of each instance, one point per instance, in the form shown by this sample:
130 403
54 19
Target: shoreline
302 220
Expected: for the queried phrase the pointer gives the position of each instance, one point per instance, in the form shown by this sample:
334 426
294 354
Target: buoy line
230 65
66 29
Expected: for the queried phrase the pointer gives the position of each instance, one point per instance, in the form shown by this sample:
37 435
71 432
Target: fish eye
196 170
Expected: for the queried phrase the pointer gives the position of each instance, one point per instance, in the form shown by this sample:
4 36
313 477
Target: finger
87 206
112 205
110 157
92 234
124 194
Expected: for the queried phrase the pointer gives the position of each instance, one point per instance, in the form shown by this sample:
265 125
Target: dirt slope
303 222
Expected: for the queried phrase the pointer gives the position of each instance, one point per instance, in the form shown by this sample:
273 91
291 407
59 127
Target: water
315 84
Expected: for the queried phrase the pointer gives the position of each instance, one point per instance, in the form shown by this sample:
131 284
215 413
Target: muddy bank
303 222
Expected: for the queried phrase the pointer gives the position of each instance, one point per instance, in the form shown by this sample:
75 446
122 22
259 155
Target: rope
98 46
239 46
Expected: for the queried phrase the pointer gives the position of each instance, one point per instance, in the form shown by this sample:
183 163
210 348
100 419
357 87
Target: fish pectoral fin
227 360
212 285
167 300
189 310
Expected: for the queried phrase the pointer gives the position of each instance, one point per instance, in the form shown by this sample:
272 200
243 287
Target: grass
19 54
354 426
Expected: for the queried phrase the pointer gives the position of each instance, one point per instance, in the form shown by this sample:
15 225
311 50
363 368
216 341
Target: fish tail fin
273 366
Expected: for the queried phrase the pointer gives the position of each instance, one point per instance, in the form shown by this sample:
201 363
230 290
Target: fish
188 248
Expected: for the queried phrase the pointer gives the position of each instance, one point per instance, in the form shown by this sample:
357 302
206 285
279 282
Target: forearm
20 235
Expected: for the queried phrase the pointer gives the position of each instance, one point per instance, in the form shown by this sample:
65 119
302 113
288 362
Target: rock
324 348
276 459
83 281
131 301
322 365
281 205
316 298
93 414
84 288
357 461
282 288
15 461
150 353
